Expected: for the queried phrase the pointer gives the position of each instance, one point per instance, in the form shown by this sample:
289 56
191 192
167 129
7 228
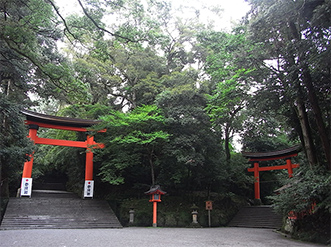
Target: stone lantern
195 213
131 216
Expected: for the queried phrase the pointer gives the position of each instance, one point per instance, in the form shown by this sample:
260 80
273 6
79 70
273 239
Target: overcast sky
234 10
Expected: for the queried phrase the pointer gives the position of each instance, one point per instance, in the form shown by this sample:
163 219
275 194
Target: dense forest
179 100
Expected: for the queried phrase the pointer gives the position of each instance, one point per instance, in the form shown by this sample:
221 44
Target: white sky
234 10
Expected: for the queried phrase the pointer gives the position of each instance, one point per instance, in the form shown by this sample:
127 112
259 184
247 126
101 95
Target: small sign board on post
88 188
26 187
209 207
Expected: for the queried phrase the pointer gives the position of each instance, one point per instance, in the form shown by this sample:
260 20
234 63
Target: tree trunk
305 128
311 94
227 142
318 115
152 169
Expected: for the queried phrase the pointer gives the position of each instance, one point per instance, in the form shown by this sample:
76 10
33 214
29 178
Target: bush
308 196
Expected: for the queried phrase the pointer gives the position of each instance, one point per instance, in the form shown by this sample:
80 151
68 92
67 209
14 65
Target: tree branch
63 20
101 28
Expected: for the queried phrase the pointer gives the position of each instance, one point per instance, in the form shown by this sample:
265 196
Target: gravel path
139 237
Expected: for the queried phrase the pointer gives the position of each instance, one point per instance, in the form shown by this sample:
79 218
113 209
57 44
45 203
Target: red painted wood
290 167
256 169
257 180
89 144
27 168
154 214
89 159
56 142
64 124
270 168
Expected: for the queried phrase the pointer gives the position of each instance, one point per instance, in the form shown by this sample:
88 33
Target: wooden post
209 207
89 159
89 183
257 180
27 169
154 214
289 168
26 182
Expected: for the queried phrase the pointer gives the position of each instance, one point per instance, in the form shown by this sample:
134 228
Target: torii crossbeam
266 156
35 120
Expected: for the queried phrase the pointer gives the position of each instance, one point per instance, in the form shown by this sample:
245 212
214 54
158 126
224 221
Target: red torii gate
266 156
35 120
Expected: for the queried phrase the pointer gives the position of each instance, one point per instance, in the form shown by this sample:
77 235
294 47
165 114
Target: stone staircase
256 217
53 209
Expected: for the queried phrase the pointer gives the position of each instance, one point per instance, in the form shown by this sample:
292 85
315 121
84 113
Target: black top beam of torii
55 120
279 154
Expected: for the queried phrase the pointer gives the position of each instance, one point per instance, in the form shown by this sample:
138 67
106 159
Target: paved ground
147 237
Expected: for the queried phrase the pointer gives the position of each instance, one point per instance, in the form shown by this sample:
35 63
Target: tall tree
296 42
29 34
230 80
129 79
28 63
193 149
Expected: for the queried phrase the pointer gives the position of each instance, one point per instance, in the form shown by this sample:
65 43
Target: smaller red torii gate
266 156
35 120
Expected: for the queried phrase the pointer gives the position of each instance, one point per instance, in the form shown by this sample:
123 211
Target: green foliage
291 54
13 146
135 140
231 76
307 194
28 36
120 75
307 187
132 63
193 148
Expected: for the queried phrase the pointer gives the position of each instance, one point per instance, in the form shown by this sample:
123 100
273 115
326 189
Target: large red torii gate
266 156
35 120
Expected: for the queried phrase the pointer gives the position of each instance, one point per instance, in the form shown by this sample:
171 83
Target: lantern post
155 193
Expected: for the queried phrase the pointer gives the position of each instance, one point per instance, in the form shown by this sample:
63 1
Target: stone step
49 186
49 210
257 217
